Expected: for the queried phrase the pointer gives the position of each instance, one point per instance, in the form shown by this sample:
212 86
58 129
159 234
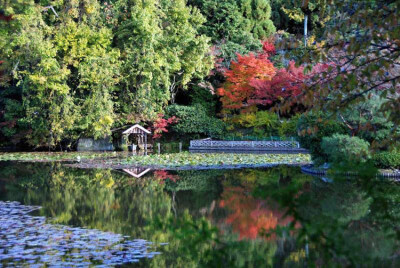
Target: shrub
312 127
343 149
387 159
288 128
194 121
261 123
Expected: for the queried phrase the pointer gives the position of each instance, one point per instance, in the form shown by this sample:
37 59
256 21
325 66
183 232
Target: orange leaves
253 80
251 217
237 89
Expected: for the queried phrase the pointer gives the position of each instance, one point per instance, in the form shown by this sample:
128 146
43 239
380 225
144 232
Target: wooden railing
218 144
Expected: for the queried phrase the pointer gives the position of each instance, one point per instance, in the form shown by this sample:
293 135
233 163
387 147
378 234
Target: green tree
63 72
296 16
162 52
235 26
368 121
257 15
194 121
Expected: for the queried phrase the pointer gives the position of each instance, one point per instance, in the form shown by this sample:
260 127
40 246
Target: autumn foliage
287 82
160 125
251 217
237 89
253 80
163 176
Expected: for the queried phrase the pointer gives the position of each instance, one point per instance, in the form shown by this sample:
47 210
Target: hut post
145 143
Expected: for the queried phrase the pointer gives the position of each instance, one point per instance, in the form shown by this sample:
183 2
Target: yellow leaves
107 120
89 9
295 14
38 79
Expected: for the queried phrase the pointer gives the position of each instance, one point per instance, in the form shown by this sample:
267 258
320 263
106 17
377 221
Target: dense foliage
312 128
162 52
235 26
195 122
82 68
341 148
387 159
361 43
92 68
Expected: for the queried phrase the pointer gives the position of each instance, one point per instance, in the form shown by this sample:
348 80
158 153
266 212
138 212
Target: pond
55 215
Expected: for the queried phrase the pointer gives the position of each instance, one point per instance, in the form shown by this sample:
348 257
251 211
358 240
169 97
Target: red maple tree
253 80
237 90
287 82
160 125
268 48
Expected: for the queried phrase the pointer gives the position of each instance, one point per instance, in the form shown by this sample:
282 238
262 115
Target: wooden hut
141 134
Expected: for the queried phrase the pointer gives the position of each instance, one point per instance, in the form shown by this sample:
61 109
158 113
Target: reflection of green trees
18 177
336 218
196 243
100 199
196 180
346 222
338 203
195 189
111 201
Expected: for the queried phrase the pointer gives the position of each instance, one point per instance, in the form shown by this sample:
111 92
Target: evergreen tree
62 72
162 52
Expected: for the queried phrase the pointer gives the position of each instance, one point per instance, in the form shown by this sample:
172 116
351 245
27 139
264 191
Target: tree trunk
305 30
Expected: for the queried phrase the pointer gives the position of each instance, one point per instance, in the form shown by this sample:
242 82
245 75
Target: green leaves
194 120
64 71
163 51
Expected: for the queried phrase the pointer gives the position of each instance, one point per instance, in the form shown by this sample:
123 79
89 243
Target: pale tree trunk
305 30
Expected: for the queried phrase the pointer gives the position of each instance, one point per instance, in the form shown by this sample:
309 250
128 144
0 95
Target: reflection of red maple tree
251 216
163 175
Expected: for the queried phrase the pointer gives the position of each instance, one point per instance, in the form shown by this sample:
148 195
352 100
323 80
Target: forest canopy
86 68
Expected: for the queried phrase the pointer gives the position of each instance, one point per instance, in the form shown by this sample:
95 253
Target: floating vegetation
59 156
29 240
217 159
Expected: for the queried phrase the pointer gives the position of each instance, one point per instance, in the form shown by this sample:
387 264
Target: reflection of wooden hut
140 133
137 172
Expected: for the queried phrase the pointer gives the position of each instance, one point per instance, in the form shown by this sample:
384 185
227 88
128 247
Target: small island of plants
217 160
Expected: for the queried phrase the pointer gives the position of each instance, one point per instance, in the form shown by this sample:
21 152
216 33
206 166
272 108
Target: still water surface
276 217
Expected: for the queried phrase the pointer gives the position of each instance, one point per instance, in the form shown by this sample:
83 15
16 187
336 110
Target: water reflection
28 240
239 218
